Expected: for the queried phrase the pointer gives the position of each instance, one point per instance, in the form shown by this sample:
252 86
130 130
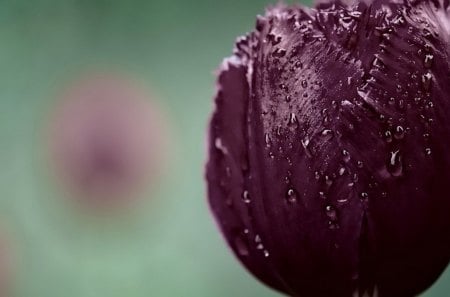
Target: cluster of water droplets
243 242
260 246
287 122
332 215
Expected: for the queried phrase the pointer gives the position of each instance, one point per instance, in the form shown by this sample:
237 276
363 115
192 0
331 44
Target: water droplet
284 87
388 136
288 98
304 84
378 63
346 155
317 175
395 166
293 119
331 212
428 60
360 164
427 33
364 196
399 132
346 103
342 200
328 181
322 195
341 171
305 144
291 196
333 225
246 196
219 145
267 139
426 81
279 131
274 39
279 53
428 151
260 246
327 134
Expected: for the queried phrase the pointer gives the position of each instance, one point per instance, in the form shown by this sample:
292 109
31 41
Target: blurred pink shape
107 140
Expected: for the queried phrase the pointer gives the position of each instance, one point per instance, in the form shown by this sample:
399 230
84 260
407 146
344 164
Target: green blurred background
170 246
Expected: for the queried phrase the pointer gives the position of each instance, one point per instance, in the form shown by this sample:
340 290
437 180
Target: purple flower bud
329 165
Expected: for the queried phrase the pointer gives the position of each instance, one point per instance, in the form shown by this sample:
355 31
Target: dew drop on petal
327 134
304 84
305 144
399 132
364 196
291 195
428 60
426 81
267 140
395 165
331 212
345 155
388 136
246 197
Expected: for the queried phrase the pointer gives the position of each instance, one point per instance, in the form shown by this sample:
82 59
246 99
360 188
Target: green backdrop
170 246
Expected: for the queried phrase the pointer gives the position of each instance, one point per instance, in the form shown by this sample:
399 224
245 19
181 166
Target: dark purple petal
228 165
328 163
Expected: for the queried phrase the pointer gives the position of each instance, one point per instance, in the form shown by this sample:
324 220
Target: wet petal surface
328 157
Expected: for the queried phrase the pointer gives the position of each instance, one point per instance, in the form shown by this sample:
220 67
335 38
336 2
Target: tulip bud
329 165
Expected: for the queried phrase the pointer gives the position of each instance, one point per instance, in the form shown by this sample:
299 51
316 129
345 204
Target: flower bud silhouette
329 164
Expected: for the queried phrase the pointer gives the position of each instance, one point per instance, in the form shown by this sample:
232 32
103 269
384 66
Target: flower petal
333 148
